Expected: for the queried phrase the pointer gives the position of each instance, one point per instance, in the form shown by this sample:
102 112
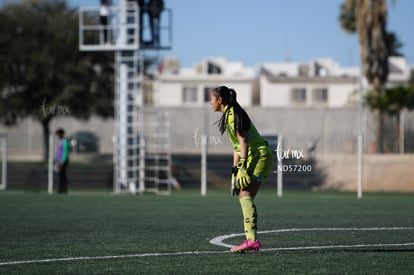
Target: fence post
204 166
50 166
3 184
279 171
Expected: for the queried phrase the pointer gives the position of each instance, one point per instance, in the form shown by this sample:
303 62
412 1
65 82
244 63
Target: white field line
219 241
200 253
112 257
325 247
221 238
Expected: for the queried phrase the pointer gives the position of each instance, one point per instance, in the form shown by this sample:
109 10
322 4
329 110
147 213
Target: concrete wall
25 140
335 130
387 172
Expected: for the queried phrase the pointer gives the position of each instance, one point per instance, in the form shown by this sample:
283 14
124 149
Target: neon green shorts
260 163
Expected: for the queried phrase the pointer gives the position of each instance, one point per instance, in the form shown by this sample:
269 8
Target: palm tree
369 19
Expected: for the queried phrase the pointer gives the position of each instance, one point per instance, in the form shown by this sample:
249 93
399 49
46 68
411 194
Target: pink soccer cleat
247 245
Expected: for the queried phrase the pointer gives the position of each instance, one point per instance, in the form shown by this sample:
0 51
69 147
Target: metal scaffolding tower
142 155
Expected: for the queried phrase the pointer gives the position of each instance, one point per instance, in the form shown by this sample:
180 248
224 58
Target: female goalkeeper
252 159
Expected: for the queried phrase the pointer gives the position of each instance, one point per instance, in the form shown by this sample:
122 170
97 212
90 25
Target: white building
318 83
192 86
399 71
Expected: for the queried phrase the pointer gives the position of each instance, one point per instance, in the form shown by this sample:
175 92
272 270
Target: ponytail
232 98
241 119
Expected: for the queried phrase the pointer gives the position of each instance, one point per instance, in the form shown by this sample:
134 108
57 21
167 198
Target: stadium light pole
130 130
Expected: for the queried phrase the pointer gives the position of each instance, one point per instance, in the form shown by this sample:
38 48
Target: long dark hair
241 119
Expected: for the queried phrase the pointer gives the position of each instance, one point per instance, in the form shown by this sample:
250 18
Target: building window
189 94
298 95
207 91
213 68
303 70
320 95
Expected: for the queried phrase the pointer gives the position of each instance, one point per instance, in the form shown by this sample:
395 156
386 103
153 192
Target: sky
271 30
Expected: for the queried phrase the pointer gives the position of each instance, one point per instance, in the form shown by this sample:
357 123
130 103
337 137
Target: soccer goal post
3 148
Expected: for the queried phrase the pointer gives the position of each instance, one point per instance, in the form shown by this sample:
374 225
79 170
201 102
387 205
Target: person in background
142 10
103 17
62 160
155 7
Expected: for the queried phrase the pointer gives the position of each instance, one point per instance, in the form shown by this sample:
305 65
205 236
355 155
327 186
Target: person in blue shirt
62 159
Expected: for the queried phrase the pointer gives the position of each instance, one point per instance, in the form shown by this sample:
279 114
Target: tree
394 44
347 20
392 102
369 18
42 72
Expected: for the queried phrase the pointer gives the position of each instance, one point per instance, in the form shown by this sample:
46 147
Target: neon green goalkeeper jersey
253 137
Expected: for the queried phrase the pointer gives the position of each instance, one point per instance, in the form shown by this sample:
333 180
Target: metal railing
123 30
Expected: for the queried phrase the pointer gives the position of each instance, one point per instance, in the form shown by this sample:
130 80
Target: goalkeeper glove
243 179
235 190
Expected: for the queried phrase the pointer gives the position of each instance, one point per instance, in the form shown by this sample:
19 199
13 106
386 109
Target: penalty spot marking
219 241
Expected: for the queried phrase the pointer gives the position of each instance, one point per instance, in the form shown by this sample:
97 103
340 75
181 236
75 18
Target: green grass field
100 233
